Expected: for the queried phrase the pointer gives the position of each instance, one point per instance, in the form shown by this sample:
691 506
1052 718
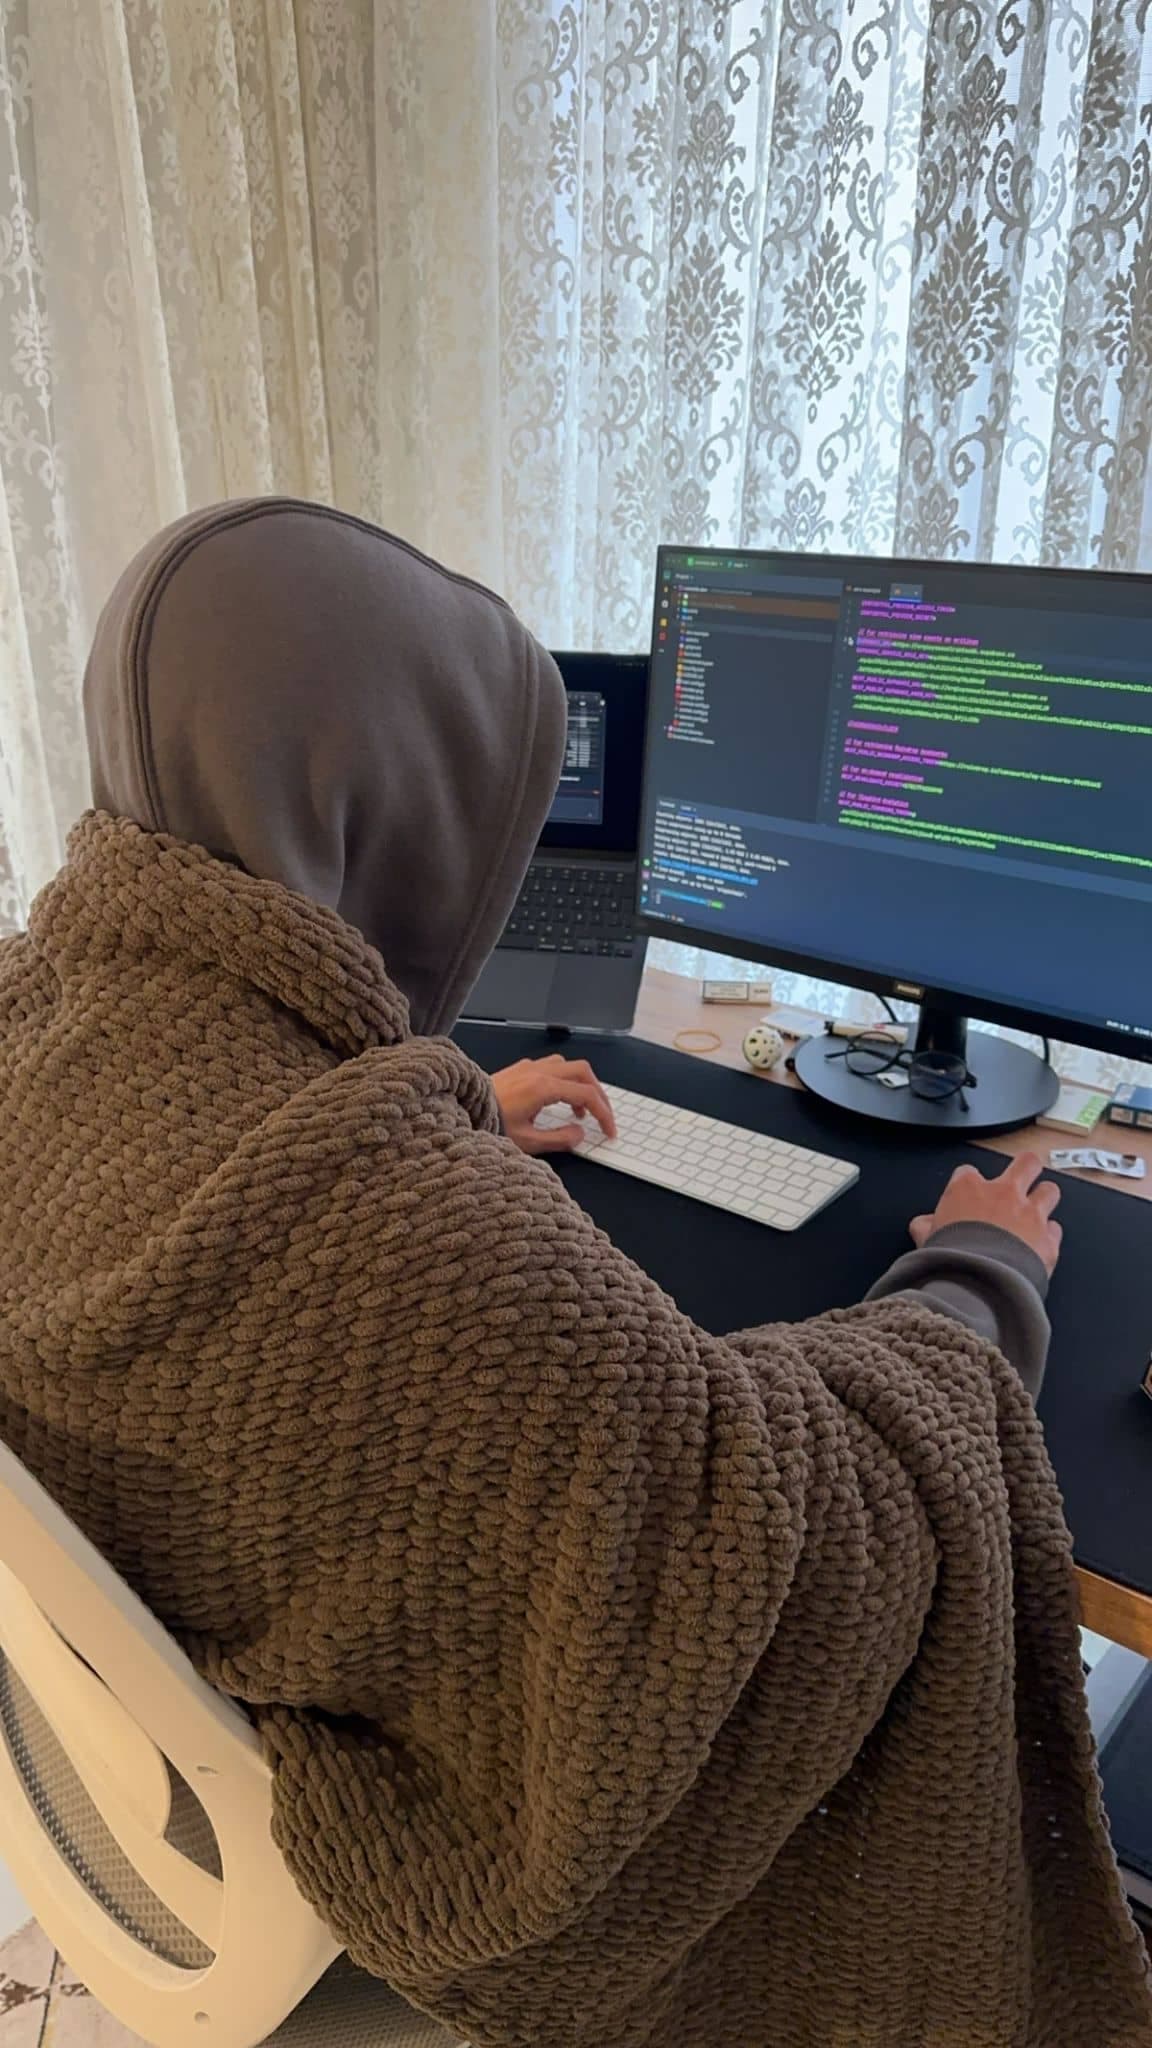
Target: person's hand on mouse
524 1090
1017 1201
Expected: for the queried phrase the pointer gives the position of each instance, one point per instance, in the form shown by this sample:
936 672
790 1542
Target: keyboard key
572 909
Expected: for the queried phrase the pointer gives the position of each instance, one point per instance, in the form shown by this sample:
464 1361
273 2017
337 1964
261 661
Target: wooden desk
670 1006
670 1010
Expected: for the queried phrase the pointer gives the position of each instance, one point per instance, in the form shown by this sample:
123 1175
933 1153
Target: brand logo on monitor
907 988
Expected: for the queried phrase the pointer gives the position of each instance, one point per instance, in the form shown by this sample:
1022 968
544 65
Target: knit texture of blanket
627 1687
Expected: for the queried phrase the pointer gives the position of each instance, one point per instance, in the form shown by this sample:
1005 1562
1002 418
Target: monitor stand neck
940 1031
1012 1086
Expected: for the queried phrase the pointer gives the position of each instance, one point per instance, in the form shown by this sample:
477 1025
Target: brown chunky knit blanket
625 1685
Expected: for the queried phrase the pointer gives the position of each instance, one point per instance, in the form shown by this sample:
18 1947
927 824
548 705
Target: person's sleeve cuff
988 1241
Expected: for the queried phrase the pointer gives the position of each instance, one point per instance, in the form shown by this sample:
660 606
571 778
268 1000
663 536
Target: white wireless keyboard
730 1168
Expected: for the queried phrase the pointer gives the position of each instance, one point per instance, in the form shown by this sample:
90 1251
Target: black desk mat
729 1274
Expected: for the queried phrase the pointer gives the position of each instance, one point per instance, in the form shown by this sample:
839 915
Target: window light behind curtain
539 284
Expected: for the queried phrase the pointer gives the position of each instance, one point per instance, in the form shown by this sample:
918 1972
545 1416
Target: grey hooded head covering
302 694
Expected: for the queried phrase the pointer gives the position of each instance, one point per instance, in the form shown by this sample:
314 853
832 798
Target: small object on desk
763 1048
847 1027
791 1023
1076 1108
1131 1104
1128 1165
699 1042
744 1172
736 991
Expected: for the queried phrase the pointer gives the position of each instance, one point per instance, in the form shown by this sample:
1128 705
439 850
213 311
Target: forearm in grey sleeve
987 1279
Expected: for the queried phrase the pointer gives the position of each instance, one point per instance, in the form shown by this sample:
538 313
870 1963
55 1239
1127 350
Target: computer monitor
930 780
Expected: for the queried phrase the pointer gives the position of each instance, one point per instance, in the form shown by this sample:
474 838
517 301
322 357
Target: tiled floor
43 2005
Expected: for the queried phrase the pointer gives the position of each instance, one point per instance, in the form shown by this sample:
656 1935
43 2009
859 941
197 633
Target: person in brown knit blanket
626 1686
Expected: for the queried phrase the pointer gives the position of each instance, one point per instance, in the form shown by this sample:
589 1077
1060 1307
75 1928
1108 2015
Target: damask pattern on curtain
539 283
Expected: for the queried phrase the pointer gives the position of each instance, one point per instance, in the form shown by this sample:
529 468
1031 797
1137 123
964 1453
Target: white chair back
135 1803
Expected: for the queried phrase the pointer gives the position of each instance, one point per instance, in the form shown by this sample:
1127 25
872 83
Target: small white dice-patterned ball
763 1047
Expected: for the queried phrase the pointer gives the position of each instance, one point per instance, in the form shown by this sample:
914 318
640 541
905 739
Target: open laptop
570 955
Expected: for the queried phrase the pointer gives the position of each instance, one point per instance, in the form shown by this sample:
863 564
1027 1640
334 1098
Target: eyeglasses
934 1076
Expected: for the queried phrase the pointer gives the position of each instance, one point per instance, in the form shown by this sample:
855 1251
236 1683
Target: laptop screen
597 804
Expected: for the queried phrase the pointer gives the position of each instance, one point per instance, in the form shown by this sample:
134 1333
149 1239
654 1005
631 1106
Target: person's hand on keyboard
524 1090
1017 1201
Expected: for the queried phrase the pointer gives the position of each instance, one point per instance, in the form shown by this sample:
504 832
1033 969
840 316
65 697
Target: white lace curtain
540 282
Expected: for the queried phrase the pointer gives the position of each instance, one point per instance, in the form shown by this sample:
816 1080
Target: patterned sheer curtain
542 282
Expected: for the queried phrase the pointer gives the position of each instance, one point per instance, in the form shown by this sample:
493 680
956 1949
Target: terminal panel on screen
939 772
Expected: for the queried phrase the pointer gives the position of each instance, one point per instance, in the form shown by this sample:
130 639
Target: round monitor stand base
1013 1087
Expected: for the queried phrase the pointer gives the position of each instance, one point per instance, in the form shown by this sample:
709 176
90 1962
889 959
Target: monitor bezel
891 983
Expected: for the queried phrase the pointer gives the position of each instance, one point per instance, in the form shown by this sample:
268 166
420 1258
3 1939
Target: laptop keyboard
565 908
